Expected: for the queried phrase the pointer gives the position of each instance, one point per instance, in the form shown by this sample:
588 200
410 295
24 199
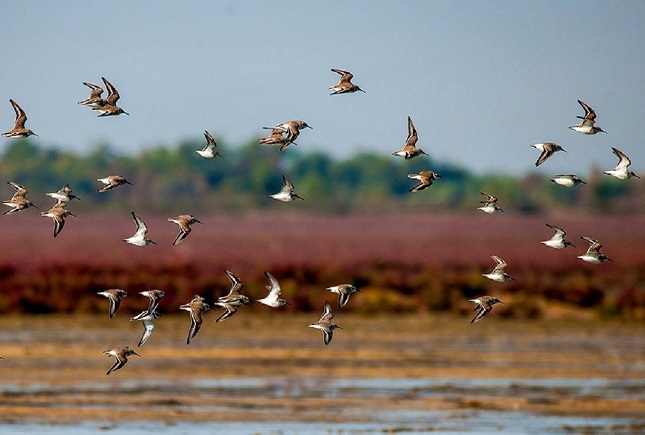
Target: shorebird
273 298
548 149
325 325
499 272
18 201
276 138
195 307
410 149
484 305
110 108
490 204
147 318
63 195
121 354
344 291
587 125
568 180
154 296
58 214
112 181
233 299
114 295
19 131
140 236
95 99
593 254
557 241
292 128
287 193
345 85
425 180
184 221
620 171
209 151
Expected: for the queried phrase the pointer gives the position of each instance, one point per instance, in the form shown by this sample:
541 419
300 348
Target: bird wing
623 160
21 117
589 112
142 229
412 134
113 94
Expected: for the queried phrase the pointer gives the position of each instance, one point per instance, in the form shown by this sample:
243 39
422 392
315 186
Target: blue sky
481 80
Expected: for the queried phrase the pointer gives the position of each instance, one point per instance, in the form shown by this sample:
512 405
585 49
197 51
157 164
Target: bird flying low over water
557 240
114 295
426 178
184 221
273 298
499 272
58 213
345 85
548 149
64 194
140 237
18 201
111 182
209 151
490 204
593 254
109 108
233 299
620 171
410 149
195 307
587 125
287 193
121 354
484 306
325 325
344 291
568 180
18 131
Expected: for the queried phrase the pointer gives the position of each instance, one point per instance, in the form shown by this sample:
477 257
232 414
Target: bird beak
199 222
504 303
72 214
136 354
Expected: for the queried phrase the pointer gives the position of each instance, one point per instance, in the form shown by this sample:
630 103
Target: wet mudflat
272 374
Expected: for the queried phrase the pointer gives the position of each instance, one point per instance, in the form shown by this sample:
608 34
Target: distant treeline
176 178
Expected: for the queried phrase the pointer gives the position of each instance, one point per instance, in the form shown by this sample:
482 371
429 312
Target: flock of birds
283 135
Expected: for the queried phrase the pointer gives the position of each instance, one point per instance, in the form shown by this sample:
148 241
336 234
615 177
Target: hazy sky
481 80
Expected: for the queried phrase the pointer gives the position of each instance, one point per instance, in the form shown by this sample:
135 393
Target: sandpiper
233 299
19 131
548 149
229 310
273 298
620 171
593 254
484 305
121 354
276 138
184 221
18 201
114 295
209 151
58 214
557 241
425 180
410 149
140 236
112 181
490 204
154 296
63 195
325 325
95 99
287 193
587 125
293 128
568 180
147 318
499 272
345 85
195 307
344 291
110 108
